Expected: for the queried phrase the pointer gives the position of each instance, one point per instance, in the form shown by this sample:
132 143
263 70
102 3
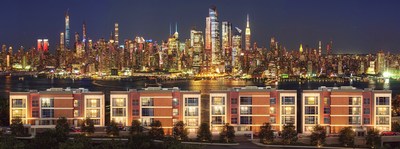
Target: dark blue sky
355 26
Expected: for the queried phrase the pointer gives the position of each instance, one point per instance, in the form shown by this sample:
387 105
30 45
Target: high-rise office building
84 34
380 62
226 35
212 36
67 30
116 34
248 34
196 42
62 40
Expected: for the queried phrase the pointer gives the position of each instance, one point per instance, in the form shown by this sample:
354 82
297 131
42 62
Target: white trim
225 95
24 98
303 101
198 96
281 107
125 97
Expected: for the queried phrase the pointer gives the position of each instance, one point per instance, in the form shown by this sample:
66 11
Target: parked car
388 133
73 129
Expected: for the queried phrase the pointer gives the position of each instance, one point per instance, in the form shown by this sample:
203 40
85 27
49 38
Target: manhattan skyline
354 27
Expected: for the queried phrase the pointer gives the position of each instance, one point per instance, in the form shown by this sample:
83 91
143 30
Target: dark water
14 84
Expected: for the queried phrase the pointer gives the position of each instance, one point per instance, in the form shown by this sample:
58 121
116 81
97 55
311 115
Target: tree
346 136
10 142
17 128
156 131
62 129
47 139
88 126
318 135
79 142
112 129
142 141
395 126
227 134
204 133
179 131
136 127
289 134
266 134
396 106
373 138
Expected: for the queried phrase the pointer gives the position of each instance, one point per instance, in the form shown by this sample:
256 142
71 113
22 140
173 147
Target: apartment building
248 108
167 105
337 107
41 109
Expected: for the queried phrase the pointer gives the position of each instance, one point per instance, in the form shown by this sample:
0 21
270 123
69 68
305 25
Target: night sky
354 26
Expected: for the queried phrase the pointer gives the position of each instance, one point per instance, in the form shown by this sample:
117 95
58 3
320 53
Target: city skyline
357 26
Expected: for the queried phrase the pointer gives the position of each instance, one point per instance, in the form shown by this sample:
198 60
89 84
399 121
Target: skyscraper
196 42
248 34
116 33
62 39
84 36
226 35
380 62
213 39
67 29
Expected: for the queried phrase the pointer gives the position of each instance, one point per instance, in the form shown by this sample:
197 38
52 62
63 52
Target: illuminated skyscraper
212 36
319 48
67 30
116 33
226 35
236 49
248 34
380 62
62 39
196 42
84 36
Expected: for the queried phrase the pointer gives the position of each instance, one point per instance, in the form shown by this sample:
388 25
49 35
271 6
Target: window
218 110
118 102
246 120
272 120
18 103
35 113
272 110
218 100
135 112
233 100
217 120
355 120
311 110
175 112
288 119
354 111
245 100
118 112
327 120
135 102
272 101
35 103
147 102
382 111
366 120
288 110
382 120
311 120
76 113
47 113
147 112
192 111
382 100
175 102
93 113
234 111
233 120
47 102
18 113
289 100
245 110
311 100
327 110
366 111
76 103
366 101
192 121
354 101
93 102
327 101
191 101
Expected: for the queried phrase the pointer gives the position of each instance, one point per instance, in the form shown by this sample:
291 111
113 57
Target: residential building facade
248 108
42 109
167 105
339 107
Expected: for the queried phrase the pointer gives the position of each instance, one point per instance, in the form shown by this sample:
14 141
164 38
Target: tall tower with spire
248 34
67 29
